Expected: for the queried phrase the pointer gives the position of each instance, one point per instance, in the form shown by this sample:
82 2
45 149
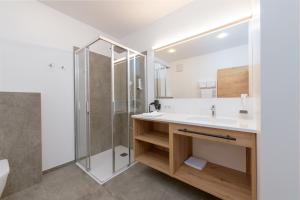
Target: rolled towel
152 114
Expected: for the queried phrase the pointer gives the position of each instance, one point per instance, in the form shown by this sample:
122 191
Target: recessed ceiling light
222 35
171 50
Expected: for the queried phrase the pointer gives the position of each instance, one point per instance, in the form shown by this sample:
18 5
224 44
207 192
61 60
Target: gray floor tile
99 194
144 183
137 183
36 192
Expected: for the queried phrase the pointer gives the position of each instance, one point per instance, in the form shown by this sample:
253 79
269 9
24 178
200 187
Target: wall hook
51 65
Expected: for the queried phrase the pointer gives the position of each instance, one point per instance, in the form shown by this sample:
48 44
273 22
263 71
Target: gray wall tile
100 99
20 139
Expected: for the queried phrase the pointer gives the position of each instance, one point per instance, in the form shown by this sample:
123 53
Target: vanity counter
243 125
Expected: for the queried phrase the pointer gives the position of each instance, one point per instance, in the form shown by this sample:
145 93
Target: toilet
4 171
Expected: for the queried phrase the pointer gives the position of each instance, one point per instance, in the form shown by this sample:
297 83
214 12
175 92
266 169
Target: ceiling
237 36
117 18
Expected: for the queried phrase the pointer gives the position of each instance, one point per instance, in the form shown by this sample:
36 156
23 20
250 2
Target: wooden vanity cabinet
165 147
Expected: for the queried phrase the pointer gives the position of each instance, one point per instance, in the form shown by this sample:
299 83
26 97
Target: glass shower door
129 99
137 92
100 102
82 108
120 89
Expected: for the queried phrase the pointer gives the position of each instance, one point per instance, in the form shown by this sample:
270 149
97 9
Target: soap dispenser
243 112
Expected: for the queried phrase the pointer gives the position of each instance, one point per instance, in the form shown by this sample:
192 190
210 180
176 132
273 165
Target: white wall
203 68
24 68
226 107
32 36
36 23
254 46
280 142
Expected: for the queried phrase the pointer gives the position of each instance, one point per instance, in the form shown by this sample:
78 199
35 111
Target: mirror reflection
209 66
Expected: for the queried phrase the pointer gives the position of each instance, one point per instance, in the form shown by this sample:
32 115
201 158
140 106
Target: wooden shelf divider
153 137
156 159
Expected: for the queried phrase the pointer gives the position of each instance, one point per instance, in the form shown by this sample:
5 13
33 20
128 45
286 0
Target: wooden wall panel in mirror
189 69
232 82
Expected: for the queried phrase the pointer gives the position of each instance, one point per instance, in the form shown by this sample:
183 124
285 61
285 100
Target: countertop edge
240 129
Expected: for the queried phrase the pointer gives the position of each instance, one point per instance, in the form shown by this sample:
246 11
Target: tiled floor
137 183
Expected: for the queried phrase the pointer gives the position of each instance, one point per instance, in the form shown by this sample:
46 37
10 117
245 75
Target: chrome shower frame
129 111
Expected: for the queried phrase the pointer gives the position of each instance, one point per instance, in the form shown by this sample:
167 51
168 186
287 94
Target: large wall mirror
212 65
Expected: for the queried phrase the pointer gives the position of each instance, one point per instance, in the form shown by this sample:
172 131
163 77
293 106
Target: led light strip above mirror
223 27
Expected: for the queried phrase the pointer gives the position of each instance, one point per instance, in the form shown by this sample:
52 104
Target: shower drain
123 154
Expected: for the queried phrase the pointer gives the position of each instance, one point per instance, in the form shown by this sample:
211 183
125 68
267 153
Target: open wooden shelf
156 159
217 180
154 137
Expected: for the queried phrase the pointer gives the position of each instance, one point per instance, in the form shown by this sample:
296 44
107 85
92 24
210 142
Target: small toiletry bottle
243 112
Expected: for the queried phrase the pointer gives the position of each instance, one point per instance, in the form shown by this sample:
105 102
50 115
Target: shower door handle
87 108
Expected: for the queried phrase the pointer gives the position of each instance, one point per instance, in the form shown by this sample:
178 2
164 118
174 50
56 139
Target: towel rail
227 137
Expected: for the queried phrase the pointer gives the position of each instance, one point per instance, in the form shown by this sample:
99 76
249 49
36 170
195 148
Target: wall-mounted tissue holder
51 65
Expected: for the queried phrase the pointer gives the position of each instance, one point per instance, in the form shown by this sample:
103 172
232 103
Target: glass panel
100 81
137 92
139 62
120 133
132 99
82 137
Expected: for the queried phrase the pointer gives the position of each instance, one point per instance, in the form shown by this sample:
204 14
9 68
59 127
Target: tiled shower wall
100 98
121 116
20 139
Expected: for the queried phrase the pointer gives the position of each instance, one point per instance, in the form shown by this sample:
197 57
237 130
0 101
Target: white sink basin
225 120
200 118
212 120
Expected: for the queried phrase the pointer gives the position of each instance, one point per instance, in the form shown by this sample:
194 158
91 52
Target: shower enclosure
109 87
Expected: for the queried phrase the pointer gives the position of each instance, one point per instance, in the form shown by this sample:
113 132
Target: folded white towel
152 114
211 84
207 93
202 84
197 163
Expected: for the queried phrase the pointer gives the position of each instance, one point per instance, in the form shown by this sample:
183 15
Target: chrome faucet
213 110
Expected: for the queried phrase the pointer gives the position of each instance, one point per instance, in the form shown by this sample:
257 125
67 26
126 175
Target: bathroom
120 99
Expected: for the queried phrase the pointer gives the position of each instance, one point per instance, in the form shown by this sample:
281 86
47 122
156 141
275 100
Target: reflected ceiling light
222 35
171 50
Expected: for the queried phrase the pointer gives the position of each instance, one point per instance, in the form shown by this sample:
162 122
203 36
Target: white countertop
244 125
